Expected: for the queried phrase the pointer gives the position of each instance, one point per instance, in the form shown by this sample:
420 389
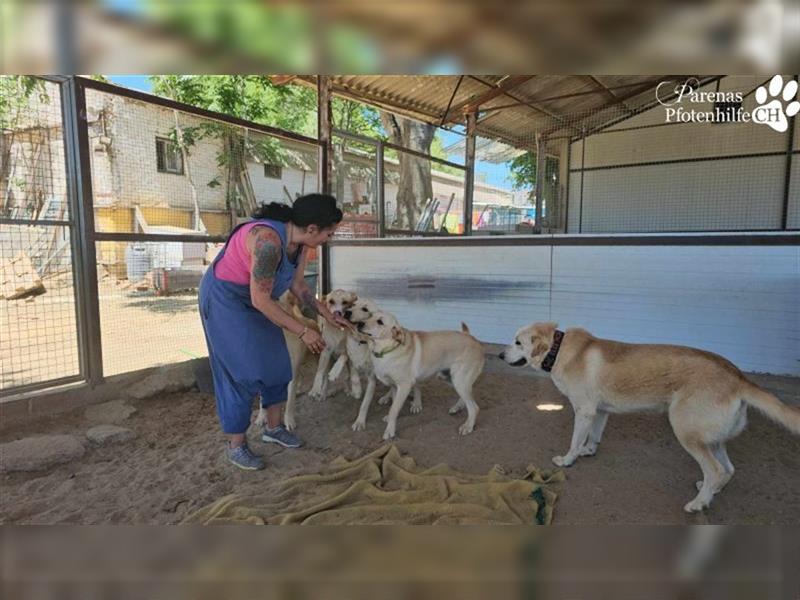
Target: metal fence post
381 181
541 167
81 202
787 183
469 162
324 133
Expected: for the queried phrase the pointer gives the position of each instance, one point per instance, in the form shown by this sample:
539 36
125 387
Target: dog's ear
397 333
540 348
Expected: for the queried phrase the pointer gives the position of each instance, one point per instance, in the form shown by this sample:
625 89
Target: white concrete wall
738 301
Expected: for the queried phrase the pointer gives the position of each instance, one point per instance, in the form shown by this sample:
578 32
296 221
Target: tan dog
360 358
705 395
403 358
338 301
297 354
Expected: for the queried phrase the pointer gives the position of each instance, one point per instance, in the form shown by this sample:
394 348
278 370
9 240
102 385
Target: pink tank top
234 266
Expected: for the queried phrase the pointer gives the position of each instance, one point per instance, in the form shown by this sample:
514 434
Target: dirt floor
640 474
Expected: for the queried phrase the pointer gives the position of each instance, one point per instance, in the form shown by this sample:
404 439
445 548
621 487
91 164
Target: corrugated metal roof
556 106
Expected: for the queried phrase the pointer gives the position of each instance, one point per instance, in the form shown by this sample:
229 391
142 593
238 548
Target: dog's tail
464 328
788 416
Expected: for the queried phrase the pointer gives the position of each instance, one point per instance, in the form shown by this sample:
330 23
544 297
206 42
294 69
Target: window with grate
273 171
168 157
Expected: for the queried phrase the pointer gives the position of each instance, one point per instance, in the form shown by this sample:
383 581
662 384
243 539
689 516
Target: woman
244 323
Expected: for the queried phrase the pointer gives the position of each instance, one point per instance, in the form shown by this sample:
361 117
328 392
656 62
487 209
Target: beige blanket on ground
384 487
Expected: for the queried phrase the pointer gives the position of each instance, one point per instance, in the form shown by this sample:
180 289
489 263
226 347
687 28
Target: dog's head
530 345
340 301
381 326
361 310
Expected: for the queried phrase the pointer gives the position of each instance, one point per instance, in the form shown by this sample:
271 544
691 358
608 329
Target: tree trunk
340 171
415 188
197 222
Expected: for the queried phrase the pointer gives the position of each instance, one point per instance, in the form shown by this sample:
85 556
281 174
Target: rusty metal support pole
469 162
325 136
541 161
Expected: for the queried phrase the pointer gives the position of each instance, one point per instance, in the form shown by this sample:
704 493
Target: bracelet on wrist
302 333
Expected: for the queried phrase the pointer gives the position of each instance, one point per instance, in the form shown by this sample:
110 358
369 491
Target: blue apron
247 351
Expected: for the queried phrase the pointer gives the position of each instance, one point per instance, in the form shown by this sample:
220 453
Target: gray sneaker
244 459
281 435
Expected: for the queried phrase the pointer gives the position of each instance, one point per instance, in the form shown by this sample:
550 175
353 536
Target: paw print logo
775 113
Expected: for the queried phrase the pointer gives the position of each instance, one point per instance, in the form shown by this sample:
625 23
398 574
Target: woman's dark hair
311 209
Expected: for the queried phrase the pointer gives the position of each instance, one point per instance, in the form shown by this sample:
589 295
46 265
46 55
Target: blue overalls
247 351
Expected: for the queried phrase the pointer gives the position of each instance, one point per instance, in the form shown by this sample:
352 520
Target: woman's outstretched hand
313 341
340 322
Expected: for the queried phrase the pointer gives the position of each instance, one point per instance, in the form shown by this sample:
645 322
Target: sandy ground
640 474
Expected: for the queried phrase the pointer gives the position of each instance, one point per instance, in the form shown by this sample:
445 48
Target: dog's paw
385 399
289 422
694 506
416 408
699 485
561 461
385 418
589 450
355 393
359 425
456 408
465 429
388 434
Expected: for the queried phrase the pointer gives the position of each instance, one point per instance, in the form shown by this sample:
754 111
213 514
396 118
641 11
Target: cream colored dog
297 354
705 395
403 358
360 358
338 301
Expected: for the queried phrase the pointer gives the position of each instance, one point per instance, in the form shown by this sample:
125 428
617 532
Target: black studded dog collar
550 359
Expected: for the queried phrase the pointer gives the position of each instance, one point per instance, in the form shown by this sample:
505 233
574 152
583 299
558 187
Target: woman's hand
339 322
313 341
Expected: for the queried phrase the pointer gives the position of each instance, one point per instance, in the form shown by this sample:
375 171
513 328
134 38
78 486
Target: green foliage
351 116
15 95
250 97
285 38
437 150
523 170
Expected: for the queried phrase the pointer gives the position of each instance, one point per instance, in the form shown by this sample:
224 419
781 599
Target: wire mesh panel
355 185
701 161
149 313
38 326
157 169
793 204
422 195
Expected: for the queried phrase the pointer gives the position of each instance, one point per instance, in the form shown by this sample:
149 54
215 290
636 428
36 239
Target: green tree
523 176
354 160
250 97
18 119
293 107
415 187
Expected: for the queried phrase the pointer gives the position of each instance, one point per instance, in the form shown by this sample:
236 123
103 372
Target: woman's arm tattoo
309 307
266 256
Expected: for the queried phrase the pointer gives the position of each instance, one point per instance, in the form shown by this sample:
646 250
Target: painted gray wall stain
429 288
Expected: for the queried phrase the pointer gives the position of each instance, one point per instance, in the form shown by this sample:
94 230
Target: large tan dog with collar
705 395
